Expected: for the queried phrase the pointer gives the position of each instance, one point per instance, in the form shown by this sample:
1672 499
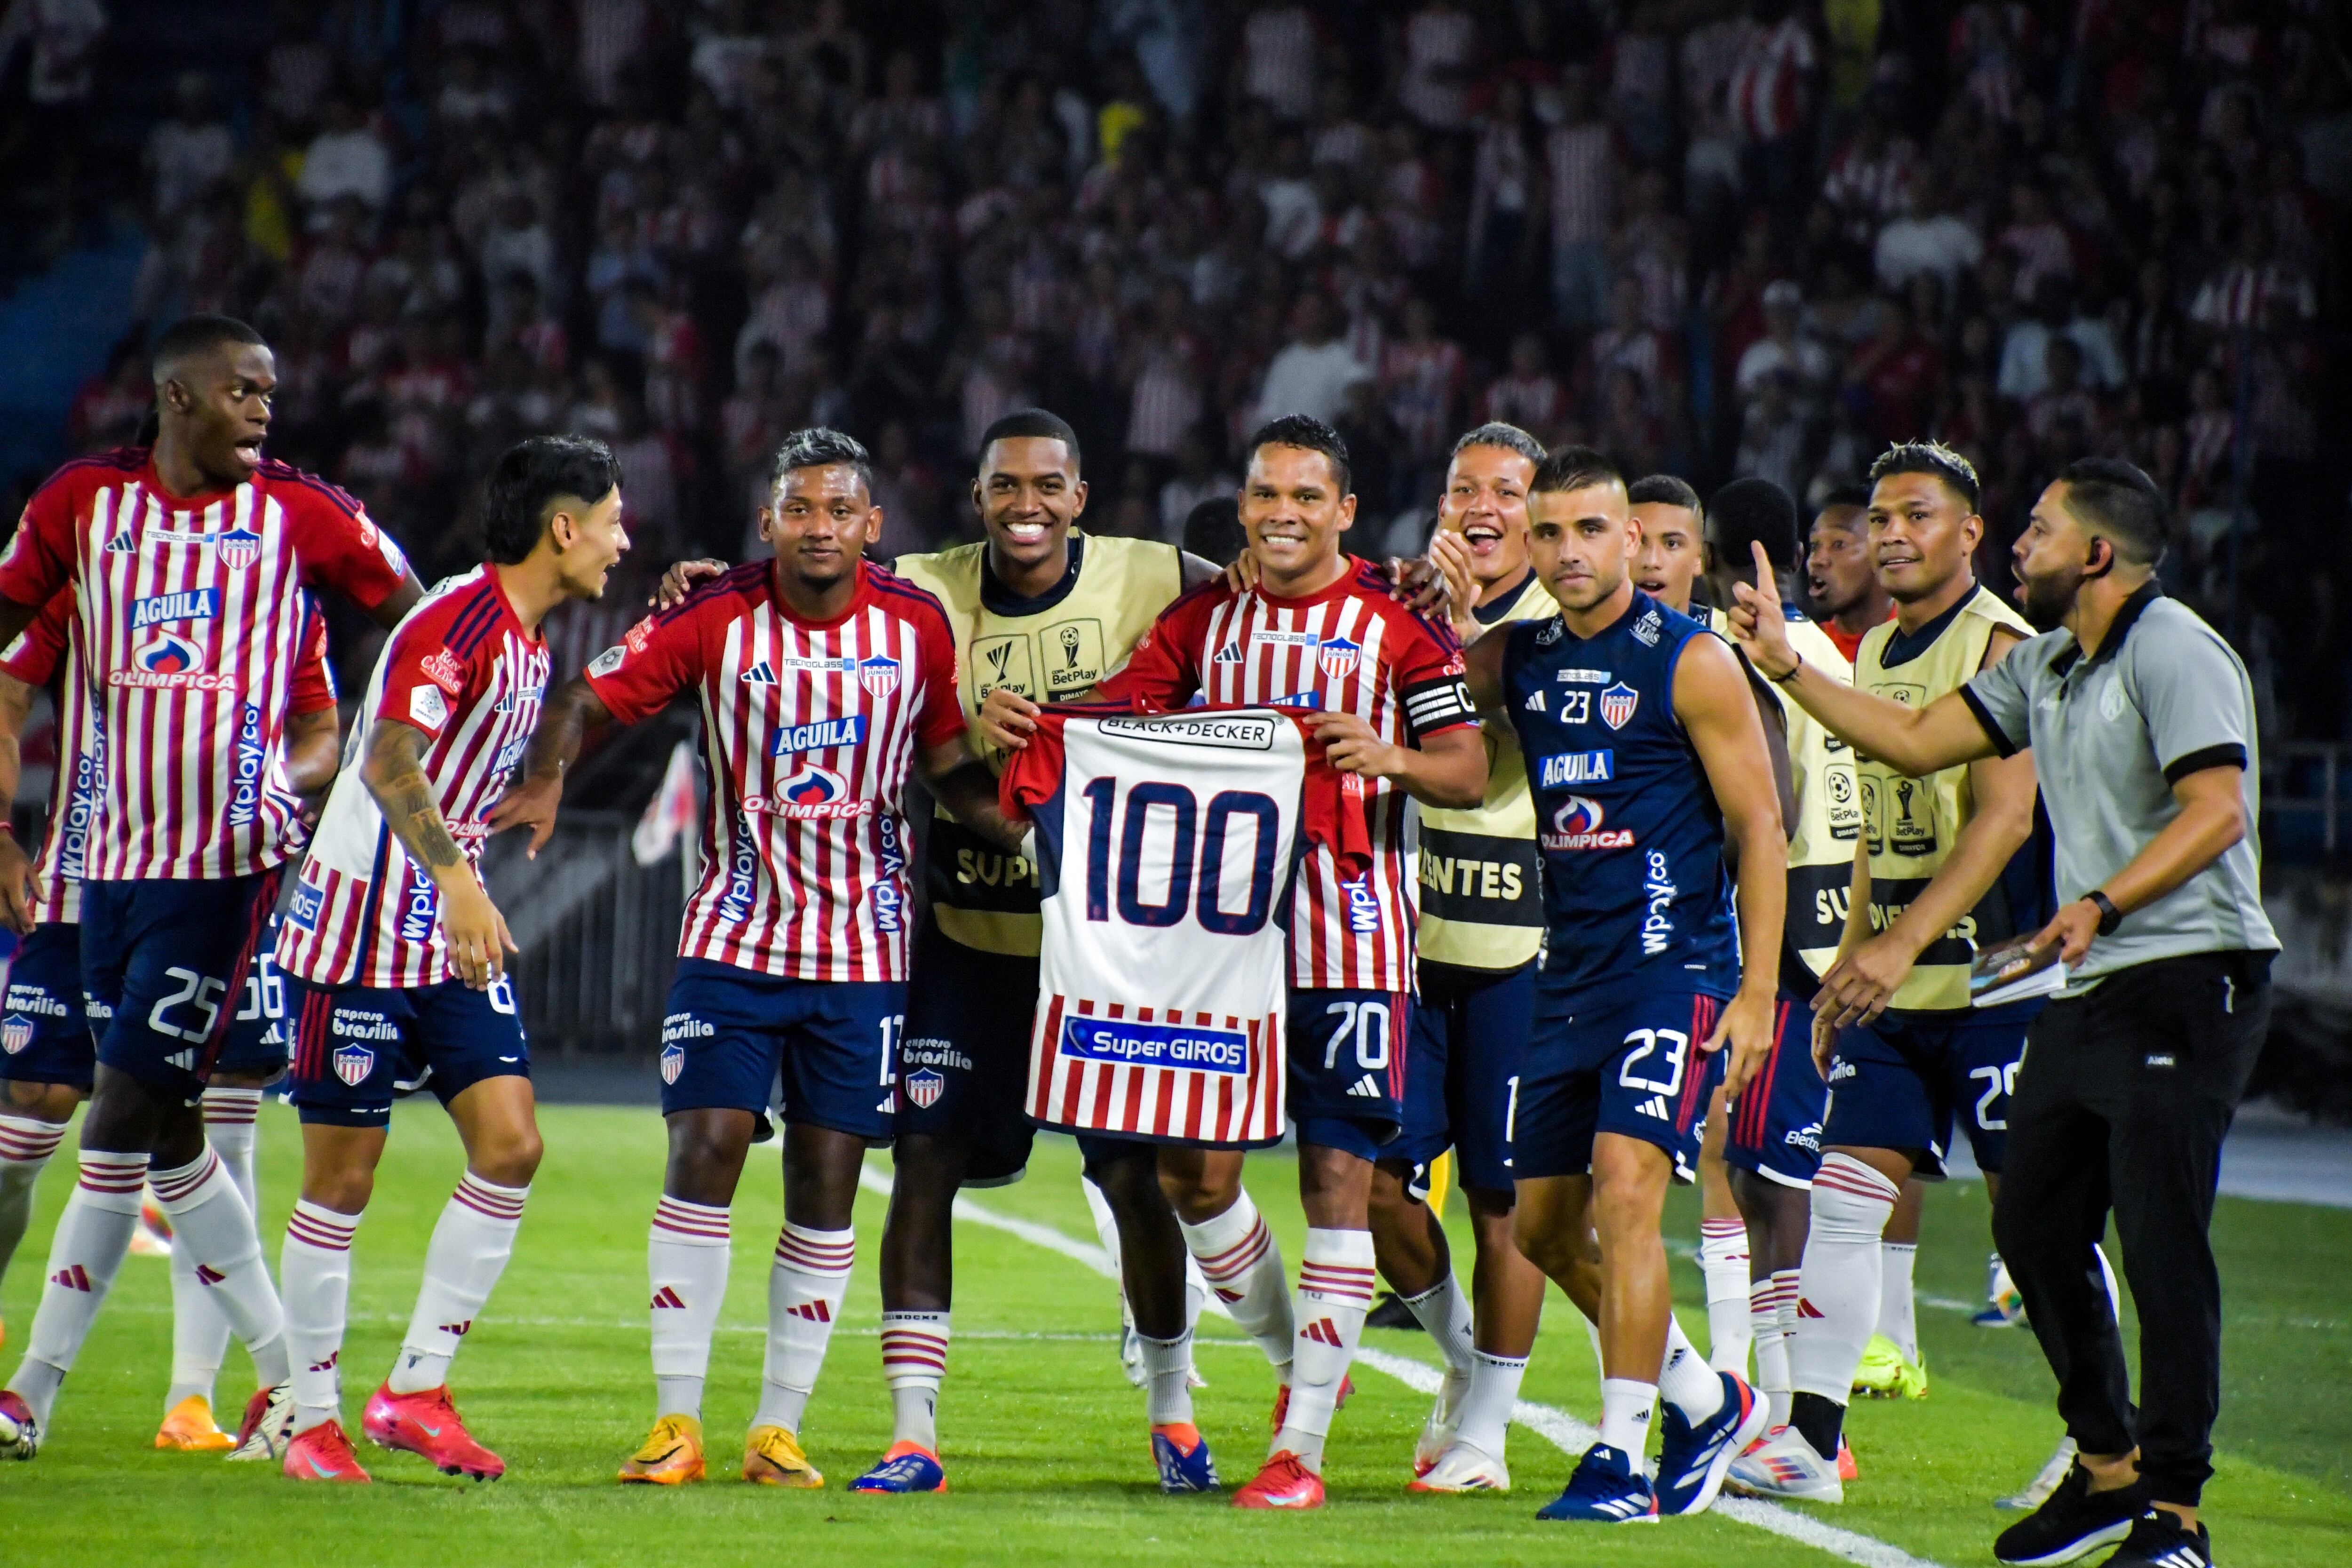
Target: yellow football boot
190 1429
672 1455
772 1458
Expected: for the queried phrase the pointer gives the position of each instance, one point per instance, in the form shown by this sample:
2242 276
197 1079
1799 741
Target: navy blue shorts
728 1032
963 1060
1899 1083
259 1040
359 1047
1346 1069
1634 1068
1462 1074
162 962
1776 1124
44 1033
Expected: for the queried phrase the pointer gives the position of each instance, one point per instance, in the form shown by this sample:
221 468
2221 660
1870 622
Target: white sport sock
1107 1231
1335 1291
1723 1261
1784 1307
1685 1378
200 1332
1168 1374
686 1260
1243 1264
1838 1293
1486 1407
1897 1319
805 1287
314 1269
209 1219
914 1363
1625 1409
230 1117
92 1235
26 1145
1771 1349
1445 1310
471 1243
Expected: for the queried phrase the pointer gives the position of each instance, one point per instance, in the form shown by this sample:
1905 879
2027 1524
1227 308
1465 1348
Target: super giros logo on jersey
1577 825
251 758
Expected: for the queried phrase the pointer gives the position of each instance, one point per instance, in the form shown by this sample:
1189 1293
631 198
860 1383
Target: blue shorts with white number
1776 1123
162 962
259 1040
728 1032
1346 1082
358 1047
44 1033
1462 1075
1633 1068
1898 1082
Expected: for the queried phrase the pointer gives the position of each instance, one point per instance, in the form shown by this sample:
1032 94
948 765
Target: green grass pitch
1044 1440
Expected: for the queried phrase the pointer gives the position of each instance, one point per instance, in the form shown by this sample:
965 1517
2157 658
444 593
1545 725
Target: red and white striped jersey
1167 845
1349 649
189 619
461 669
809 729
41 655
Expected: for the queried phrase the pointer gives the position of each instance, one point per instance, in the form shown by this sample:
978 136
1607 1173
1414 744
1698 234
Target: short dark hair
1040 424
1959 475
1575 469
1305 430
2120 503
529 478
197 334
1213 532
1495 433
1856 496
818 447
1752 512
1663 489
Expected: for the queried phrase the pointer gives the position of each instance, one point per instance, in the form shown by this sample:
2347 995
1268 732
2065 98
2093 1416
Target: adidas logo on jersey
184 1061
760 675
813 1312
73 1277
1364 1088
120 544
1655 1106
1535 703
1228 654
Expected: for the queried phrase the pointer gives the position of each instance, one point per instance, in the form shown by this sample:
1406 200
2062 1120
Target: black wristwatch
2110 917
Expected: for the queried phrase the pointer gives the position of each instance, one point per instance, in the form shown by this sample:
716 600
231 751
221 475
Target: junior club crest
16 1033
354 1063
924 1089
673 1062
1338 657
1617 705
239 547
878 674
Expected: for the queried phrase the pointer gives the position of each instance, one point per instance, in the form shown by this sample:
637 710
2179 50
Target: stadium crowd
1710 237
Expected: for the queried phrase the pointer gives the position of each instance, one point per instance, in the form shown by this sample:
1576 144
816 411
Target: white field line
1556 1426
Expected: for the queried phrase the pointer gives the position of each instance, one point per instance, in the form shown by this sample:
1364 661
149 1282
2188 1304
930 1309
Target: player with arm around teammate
824 682
396 956
1650 772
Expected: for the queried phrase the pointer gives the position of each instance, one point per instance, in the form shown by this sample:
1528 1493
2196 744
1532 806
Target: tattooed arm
470 924
563 725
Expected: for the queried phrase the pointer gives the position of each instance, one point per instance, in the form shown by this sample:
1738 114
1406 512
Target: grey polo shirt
2163 698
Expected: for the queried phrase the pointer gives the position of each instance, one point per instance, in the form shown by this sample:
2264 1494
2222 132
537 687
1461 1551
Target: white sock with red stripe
914 1363
1899 1317
687 1259
26 1145
1243 1264
314 1267
209 1219
1837 1295
1723 1260
1335 1292
804 1294
92 1235
1784 1307
471 1243
1684 1377
1771 1345
200 1332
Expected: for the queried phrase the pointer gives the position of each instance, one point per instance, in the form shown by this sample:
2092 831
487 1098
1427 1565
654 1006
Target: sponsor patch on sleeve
608 661
428 707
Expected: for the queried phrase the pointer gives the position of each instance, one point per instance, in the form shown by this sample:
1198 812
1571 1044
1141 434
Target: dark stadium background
1712 238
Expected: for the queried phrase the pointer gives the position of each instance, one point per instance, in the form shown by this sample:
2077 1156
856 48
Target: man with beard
2143 718
1943 864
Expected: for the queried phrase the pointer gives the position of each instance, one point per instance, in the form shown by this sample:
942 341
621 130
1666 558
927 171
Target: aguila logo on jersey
1577 825
1617 705
251 758
1338 657
168 655
819 735
354 1063
1568 768
924 1089
878 674
187 605
16 1032
238 547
